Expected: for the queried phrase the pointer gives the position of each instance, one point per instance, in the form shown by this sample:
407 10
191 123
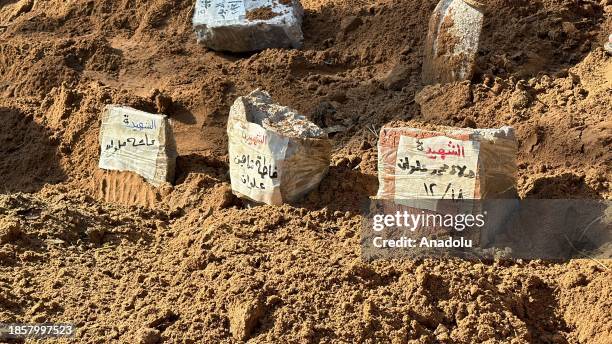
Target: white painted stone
223 25
276 155
137 141
448 164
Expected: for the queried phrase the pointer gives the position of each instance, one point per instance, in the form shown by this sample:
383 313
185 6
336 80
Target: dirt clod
10 230
148 336
397 78
243 318
163 103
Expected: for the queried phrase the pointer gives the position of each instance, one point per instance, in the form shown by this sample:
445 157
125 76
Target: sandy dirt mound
191 263
271 274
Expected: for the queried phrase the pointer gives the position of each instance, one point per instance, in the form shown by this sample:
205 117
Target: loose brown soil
188 263
262 13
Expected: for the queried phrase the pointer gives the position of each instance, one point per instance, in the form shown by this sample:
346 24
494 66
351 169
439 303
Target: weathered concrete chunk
276 155
137 141
452 42
248 25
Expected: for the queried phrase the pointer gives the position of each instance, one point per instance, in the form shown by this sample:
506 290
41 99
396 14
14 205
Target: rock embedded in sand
570 29
163 103
243 318
96 235
137 141
520 100
242 26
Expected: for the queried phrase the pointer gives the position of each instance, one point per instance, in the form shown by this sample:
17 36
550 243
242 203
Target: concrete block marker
447 172
137 141
276 155
451 164
452 42
248 25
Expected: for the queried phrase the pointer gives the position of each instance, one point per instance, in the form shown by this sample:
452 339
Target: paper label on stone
254 153
133 140
210 11
436 168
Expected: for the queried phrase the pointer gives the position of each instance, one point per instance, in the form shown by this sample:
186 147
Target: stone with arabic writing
447 164
446 172
248 25
139 142
276 155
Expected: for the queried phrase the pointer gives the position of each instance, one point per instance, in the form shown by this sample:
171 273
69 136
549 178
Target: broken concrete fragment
241 26
276 155
137 141
452 41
